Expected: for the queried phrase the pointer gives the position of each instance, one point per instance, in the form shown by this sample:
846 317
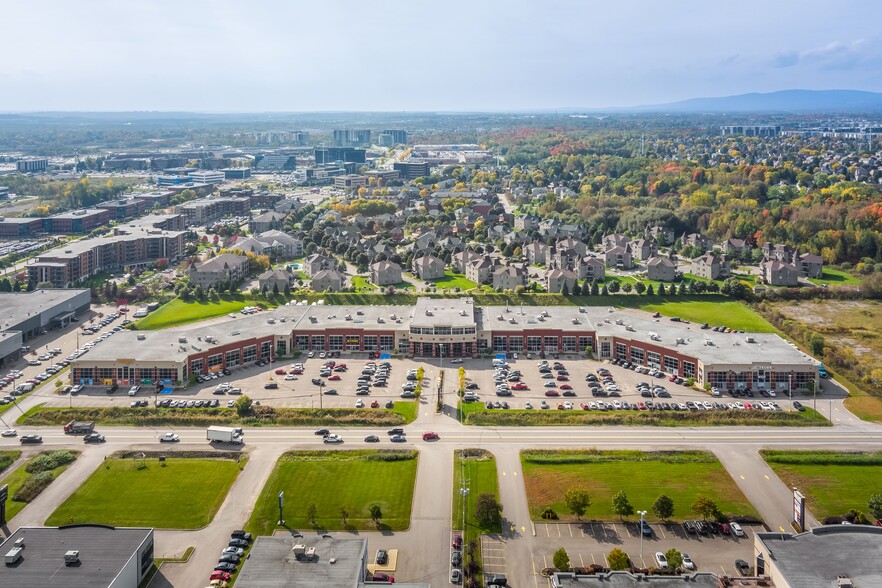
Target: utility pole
642 514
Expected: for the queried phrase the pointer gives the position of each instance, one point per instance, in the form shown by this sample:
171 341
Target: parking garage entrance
442 350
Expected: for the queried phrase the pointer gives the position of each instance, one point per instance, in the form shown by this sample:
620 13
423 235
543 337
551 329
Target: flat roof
103 553
17 307
455 312
79 213
816 558
130 232
271 563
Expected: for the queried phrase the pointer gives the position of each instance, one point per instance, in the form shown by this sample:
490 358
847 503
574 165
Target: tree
311 514
650 291
488 511
661 290
640 287
376 514
875 505
243 406
663 507
621 504
704 507
344 515
618 560
675 559
561 560
577 500
816 344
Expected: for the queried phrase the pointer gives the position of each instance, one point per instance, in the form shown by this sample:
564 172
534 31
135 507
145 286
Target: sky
413 55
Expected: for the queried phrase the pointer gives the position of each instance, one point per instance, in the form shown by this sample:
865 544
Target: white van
499 362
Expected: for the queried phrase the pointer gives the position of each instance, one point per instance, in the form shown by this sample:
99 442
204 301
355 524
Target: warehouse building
24 315
77 556
457 328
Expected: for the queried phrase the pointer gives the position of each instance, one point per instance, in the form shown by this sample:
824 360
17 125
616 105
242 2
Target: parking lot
589 543
294 390
555 389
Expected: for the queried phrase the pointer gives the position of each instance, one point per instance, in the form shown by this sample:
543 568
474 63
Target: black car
238 543
318 382
240 534
270 386
689 527
30 439
382 557
228 558
225 567
798 406
471 386
322 432
395 431
742 566
390 404
94 438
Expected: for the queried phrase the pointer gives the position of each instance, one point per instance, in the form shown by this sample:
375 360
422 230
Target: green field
362 284
832 482
182 493
735 315
178 312
643 476
836 278
332 480
452 280
479 469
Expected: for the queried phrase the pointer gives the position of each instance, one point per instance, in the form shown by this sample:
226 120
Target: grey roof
271 563
626 579
814 559
455 312
218 263
125 233
16 307
103 553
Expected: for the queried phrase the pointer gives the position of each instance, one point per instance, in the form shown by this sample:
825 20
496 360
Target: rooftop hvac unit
681 341
750 339
141 336
71 557
619 322
234 333
429 313
708 342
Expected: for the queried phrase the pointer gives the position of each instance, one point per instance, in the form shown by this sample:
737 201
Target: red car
375 404
296 371
520 386
340 368
219 575
457 542
381 577
281 372
334 378
566 387
430 436
641 406
552 393
672 378
563 379
584 406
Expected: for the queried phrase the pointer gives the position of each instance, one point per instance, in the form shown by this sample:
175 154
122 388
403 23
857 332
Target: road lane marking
766 476
742 476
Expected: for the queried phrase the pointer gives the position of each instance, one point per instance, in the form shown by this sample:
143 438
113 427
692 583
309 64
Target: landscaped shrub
49 461
548 514
32 486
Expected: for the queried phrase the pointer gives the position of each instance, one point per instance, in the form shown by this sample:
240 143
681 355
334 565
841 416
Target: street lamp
642 514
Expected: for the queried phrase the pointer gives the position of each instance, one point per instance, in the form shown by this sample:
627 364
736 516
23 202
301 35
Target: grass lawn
181 494
362 284
452 280
643 476
178 312
833 482
835 277
7 458
404 285
480 473
734 315
334 479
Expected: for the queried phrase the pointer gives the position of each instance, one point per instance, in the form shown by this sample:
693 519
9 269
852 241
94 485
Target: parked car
687 562
660 560
737 530
382 557
742 566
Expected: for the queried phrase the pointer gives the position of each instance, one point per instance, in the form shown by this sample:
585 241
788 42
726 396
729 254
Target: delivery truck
225 435
79 427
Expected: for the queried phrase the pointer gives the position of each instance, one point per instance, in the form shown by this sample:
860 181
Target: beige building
555 279
661 269
328 281
711 266
385 273
619 257
428 267
316 263
224 267
509 277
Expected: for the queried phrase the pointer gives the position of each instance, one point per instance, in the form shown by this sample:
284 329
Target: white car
311 354
231 403
687 562
737 530
568 405
528 406
9 433
359 403
456 360
661 560
290 377
333 439
169 438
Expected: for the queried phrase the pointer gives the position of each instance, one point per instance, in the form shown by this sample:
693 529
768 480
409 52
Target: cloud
832 56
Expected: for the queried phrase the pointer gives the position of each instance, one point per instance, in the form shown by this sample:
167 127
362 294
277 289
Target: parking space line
558 530
662 529
594 561
581 561
547 531
571 530
582 530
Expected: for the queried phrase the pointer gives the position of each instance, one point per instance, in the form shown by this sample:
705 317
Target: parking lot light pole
642 514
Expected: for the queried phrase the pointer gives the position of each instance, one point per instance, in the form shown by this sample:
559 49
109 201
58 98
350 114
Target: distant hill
782 101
